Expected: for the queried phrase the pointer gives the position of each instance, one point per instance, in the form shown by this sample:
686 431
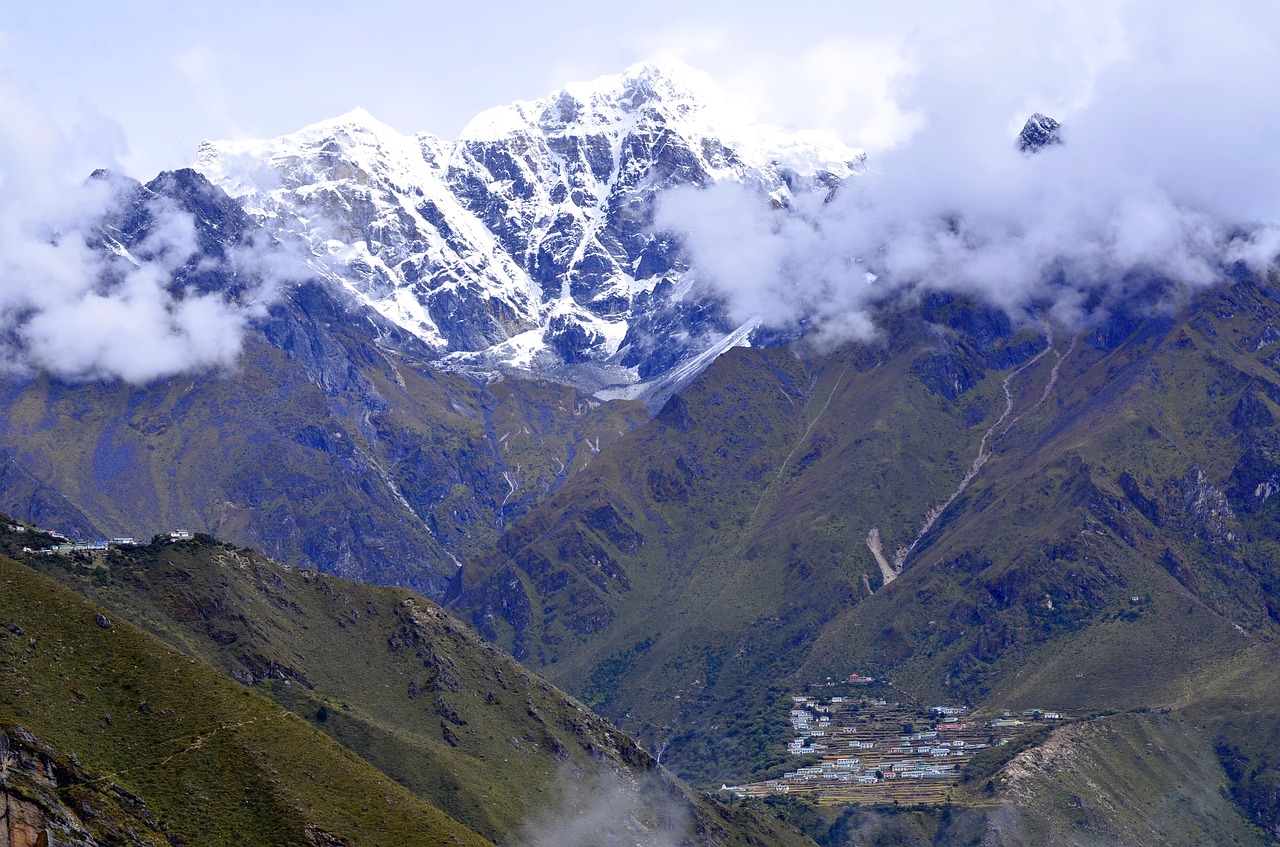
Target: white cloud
84 312
856 85
1171 149
610 808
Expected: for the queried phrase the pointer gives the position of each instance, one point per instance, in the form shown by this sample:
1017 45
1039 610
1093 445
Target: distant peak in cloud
1039 131
1169 175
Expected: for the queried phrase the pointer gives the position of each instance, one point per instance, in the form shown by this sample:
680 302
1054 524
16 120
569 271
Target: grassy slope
1159 587
393 679
1136 479
217 763
1127 779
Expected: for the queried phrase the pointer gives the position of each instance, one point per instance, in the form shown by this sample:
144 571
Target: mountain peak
664 78
356 121
356 137
1039 131
664 85
358 116
526 242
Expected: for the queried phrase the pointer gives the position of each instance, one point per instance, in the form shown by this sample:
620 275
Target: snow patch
448 239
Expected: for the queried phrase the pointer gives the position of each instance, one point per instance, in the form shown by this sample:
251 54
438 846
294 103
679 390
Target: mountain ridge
528 243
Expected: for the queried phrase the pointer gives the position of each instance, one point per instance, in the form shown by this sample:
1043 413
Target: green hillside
1114 549
213 762
393 679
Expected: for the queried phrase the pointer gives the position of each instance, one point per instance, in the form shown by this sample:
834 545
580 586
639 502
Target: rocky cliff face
46 800
529 242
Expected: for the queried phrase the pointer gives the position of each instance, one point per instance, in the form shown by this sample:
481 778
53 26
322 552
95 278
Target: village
65 546
860 748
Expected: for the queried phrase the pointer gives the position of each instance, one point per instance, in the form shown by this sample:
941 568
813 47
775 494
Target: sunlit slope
215 762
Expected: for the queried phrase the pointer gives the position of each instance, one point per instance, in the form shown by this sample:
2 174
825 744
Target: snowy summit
529 242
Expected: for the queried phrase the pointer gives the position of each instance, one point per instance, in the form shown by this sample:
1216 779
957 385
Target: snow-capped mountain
374 209
529 241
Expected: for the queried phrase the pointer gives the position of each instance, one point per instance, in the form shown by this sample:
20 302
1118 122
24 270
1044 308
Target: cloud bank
74 301
611 809
1170 168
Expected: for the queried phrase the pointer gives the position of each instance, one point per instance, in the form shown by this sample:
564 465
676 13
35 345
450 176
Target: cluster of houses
65 546
871 750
